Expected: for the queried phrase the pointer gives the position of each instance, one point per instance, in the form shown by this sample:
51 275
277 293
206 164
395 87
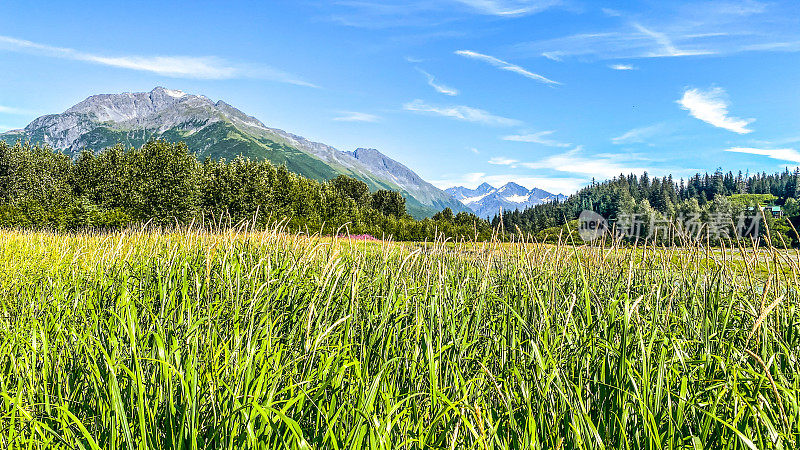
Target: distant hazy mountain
218 130
486 201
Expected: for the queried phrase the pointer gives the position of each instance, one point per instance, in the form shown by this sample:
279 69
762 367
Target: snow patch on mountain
488 201
470 200
516 198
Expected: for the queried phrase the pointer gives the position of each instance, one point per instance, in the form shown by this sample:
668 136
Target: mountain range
218 130
486 201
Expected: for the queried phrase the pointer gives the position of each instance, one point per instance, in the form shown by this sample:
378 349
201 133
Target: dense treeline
656 200
164 183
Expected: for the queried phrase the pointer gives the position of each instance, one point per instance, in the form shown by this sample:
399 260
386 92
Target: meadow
264 339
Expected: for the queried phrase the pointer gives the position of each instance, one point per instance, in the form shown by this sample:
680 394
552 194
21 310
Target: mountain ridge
486 200
218 130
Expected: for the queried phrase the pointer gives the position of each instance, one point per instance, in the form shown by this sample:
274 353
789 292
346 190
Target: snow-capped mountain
467 196
218 130
487 201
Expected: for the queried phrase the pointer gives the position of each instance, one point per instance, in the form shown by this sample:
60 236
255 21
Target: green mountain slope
217 130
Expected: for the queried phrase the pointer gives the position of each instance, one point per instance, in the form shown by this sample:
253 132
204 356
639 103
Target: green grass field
238 339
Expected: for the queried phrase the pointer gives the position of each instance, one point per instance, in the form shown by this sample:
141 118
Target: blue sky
547 93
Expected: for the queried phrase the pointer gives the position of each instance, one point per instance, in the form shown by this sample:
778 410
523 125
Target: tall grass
242 339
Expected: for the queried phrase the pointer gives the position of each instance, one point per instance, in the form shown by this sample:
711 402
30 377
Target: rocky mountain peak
512 188
487 201
485 188
379 162
129 106
219 130
366 152
153 112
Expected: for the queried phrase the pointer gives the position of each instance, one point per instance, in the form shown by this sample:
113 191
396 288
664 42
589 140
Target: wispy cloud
737 8
665 45
354 116
196 67
638 135
776 142
376 14
790 46
503 65
474 150
460 112
538 138
783 154
510 8
503 161
373 14
711 107
678 29
553 56
626 43
440 88
576 161
10 110
622 67
470 180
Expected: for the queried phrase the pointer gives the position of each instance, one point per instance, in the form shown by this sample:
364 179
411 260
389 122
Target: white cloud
711 107
578 168
624 43
674 31
678 29
783 154
379 14
638 135
553 56
440 88
538 138
786 46
622 67
353 116
459 112
197 67
474 150
509 7
10 110
503 65
665 46
774 142
376 14
602 166
503 161
742 8
470 180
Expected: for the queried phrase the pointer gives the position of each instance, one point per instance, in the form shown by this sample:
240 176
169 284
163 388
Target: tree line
656 200
165 184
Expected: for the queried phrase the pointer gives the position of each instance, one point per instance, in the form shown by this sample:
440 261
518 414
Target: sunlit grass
148 339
